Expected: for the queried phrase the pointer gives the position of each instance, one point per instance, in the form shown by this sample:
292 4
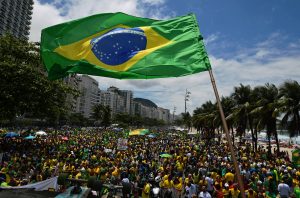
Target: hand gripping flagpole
235 164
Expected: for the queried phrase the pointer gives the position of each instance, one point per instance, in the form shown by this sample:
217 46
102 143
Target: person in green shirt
297 191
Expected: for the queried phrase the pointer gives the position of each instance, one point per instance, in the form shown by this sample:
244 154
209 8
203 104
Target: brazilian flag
121 46
296 157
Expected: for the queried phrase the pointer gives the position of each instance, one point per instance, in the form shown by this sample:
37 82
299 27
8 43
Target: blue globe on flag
119 45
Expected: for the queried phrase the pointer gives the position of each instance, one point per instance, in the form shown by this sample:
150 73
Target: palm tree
204 119
103 114
240 114
267 108
254 116
289 93
228 105
187 120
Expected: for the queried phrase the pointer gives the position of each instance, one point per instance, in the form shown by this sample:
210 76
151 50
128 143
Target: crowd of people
191 166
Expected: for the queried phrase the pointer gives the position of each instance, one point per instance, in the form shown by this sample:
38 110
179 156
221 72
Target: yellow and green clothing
146 191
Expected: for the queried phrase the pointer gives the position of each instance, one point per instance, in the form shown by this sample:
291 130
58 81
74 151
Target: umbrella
41 133
30 137
165 155
11 134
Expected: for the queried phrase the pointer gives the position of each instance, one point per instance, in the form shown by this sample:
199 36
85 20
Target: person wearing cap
226 190
126 190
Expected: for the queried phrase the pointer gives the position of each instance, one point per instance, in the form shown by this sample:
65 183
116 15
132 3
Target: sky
248 42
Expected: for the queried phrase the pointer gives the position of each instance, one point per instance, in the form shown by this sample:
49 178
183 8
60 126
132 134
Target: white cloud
78 8
154 2
58 11
211 38
44 15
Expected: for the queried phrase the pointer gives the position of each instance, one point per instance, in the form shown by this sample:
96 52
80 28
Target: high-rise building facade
90 95
73 82
15 17
164 114
149 110
127 100
119 101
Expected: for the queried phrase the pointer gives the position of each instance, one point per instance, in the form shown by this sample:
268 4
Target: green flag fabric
122 46
296 157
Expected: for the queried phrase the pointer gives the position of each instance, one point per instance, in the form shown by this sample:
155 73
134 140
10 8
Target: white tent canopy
41 133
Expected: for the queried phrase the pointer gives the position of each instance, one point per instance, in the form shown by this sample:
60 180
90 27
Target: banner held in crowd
122 144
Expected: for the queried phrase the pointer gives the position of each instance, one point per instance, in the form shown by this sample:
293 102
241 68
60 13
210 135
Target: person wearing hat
226 190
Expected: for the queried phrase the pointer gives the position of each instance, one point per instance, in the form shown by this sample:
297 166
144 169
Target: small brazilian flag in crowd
296 157
139 132
121 46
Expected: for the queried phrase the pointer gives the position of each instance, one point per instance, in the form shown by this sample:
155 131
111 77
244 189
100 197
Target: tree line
266 107
25 90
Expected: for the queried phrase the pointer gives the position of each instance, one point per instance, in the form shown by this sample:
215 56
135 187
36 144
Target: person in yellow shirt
78 175
196 178
234 192
116 172
146 190
179 166
96 169
166 183
250 193
178 187
202 182
214 175
226 190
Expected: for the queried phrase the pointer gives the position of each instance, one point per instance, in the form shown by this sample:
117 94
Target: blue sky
248 41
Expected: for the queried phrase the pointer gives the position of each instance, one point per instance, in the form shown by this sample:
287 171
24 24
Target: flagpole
235 164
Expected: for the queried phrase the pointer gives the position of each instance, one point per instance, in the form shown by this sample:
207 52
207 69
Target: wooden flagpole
235 164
